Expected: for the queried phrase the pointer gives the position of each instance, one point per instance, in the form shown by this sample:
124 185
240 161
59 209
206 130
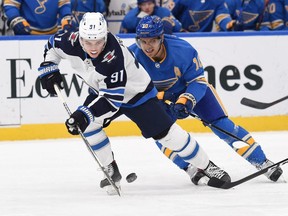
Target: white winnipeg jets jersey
115 74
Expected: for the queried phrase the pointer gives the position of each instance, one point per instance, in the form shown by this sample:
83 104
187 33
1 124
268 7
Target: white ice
61 178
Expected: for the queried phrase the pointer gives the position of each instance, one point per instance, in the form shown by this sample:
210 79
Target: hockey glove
66 24
184 106
80 118
50 75
20 26
230 25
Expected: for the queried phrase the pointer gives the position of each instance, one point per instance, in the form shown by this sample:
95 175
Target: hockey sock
175 158
252 151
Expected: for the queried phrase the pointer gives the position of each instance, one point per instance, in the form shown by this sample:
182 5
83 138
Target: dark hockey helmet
143 1
150 27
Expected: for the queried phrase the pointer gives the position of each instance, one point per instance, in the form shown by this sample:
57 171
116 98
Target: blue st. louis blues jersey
115 74
79 7
278 14
41 15
133 17
248 13
199 15
175 72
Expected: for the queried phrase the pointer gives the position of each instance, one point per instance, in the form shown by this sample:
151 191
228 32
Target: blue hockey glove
20 26
184 105
80 118
49 76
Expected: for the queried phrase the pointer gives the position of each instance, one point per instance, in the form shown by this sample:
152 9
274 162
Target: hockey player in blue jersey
31 17
199 15
179 77
121 85
149 7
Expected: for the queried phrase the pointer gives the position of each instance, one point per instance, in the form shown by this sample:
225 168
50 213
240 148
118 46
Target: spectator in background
32 17
278 14
248 14
149 7
199 15
80 7
170 4
3 20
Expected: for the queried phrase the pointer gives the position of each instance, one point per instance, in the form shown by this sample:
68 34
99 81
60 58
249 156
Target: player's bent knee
175 139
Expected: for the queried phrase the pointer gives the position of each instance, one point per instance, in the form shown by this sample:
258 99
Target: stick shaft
86 141
219 129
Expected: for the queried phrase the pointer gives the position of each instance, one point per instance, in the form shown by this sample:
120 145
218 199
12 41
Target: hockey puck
131 177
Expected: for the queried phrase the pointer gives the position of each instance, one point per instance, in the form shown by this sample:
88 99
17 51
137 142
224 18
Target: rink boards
238 65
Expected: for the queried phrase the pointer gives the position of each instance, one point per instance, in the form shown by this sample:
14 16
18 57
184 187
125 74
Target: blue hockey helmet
149 27
143 1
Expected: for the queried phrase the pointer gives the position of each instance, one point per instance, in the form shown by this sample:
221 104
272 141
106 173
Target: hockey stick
212 125
86 141
218 128
217 183
260 105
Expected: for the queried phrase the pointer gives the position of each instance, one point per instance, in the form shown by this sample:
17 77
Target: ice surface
60 178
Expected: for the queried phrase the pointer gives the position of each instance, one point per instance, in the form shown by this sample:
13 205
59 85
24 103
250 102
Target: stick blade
253 104
217 183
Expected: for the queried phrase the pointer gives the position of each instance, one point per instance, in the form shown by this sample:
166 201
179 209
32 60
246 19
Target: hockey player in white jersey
121 85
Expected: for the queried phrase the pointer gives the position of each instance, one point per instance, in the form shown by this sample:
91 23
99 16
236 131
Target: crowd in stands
41 17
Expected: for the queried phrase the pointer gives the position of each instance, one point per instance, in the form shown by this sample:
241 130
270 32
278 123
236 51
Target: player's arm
110 96
49 73
172 24
223 18
65 15
196 88
16 22
103 106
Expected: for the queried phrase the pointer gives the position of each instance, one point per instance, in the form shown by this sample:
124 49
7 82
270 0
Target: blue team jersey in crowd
175 73
278 14
248 13
131 20
199 15
41 15
79 7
